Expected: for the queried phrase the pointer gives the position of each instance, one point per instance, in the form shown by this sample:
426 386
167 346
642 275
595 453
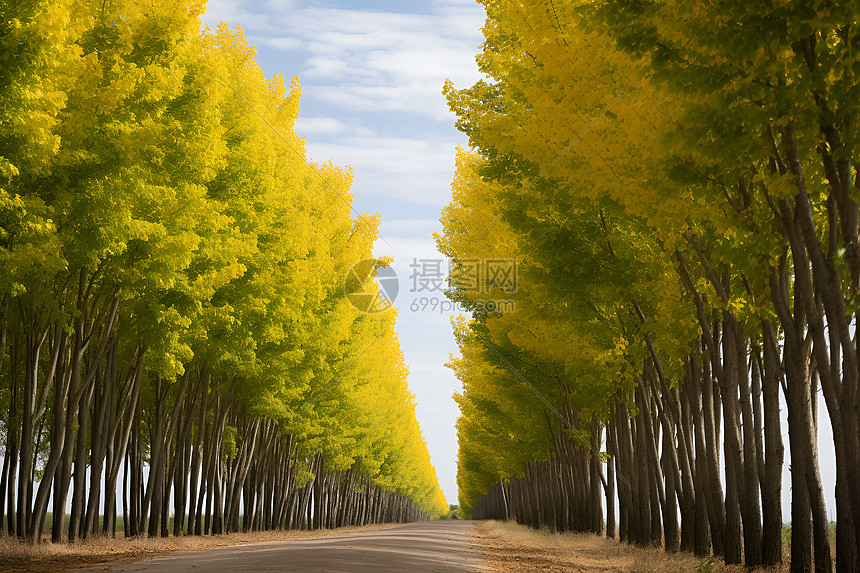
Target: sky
372 74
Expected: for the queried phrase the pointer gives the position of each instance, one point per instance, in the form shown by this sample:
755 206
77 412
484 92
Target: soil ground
506 548
16 557
510 548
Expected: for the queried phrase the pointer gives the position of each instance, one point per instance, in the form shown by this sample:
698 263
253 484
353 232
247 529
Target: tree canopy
172 291
677 184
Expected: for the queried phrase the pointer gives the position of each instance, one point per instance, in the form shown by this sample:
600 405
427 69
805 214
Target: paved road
434 546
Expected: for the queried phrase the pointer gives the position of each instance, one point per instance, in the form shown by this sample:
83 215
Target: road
417 547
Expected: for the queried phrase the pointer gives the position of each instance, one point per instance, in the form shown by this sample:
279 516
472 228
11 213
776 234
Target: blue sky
371 76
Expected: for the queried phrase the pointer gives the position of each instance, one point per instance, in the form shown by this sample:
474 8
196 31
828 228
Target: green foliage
229 442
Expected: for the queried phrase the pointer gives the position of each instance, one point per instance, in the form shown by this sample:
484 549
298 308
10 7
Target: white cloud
417 170
234 13
370 61
283 43
390 61
327 126
320 125
407 247
409 227
280 6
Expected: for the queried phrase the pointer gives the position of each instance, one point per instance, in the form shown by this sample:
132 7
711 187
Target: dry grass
510 548
17 557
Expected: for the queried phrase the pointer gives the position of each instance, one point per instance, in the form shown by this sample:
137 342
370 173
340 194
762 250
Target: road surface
433 546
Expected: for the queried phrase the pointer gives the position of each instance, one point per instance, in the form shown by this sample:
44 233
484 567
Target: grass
560 552
49 523
120 524
512 548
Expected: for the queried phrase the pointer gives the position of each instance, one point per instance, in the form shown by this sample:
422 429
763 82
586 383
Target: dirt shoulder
510 548
16 557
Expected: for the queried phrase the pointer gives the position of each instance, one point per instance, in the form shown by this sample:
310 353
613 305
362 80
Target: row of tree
677 182
174 326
